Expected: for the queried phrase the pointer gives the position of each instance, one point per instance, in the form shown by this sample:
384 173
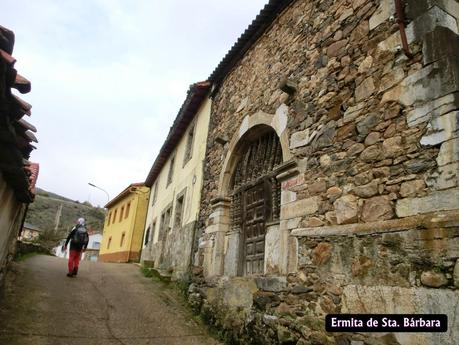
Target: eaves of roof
124 193
195 97
16 134
255 30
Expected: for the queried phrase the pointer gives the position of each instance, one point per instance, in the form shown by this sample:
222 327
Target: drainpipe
401 25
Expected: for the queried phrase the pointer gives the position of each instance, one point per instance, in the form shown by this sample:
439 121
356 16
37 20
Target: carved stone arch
226 252
255 196
252 125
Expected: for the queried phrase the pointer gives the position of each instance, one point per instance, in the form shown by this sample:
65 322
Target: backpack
80 237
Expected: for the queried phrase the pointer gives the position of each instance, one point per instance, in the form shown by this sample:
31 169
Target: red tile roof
6 40
27 125
33 170
16 134
7 57
22 84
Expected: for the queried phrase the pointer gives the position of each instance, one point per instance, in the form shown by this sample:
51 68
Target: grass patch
147 272
154 275
23 257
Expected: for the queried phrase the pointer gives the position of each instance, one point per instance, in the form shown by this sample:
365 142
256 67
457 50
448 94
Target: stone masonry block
445 177
232 254
441 129
300 208
437 201
456 274
346 209
440 43
385 10
418 28
428 21
272 284
397 300
449 152
272 250
434 81
237 293
433 109
416 8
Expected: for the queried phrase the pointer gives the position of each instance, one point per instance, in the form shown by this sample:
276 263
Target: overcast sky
108 77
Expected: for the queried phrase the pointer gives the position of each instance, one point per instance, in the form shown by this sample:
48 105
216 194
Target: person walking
78 239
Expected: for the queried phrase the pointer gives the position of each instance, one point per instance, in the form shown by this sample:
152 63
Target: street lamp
103 190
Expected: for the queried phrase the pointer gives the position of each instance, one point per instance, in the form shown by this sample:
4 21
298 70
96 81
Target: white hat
81 221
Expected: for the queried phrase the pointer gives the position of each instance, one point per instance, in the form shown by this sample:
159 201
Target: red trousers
74 260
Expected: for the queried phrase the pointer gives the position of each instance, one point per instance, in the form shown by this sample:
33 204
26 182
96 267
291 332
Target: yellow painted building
124 225
175 180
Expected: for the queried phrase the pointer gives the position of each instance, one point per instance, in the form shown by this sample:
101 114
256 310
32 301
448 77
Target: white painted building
91 254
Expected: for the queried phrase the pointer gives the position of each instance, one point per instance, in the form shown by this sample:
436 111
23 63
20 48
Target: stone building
331 176
29 232
175 180
17 175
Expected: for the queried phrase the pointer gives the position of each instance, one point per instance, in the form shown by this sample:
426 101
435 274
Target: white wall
188 176
92 244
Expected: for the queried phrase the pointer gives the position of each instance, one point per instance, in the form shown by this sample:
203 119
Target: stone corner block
300 208
438 201
385 10
272 284
440 43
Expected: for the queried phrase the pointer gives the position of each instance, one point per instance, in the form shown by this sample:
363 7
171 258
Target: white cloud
108 78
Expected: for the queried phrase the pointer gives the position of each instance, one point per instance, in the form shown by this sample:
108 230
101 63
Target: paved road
107 304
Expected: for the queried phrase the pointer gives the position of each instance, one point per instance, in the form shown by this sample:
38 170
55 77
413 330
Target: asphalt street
106 304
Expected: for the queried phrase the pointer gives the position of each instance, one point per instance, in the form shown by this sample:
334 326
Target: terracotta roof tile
17 133
7 57
31 136
27 125
22 107
22 84
6 40
32 171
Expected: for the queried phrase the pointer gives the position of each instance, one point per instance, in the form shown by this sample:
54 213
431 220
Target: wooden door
254 229
255 198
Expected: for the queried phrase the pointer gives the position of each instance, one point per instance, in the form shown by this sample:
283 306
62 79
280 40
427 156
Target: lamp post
103 190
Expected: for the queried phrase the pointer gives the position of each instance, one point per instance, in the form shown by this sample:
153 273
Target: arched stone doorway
246 234
255 196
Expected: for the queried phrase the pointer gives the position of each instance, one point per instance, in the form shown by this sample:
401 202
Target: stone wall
24 248
372 131
374 137
172 256
404 270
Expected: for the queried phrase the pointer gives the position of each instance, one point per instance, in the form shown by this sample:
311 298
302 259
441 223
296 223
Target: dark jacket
76 246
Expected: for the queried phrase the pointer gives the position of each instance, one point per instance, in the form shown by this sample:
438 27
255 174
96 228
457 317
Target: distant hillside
43 192
42 213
